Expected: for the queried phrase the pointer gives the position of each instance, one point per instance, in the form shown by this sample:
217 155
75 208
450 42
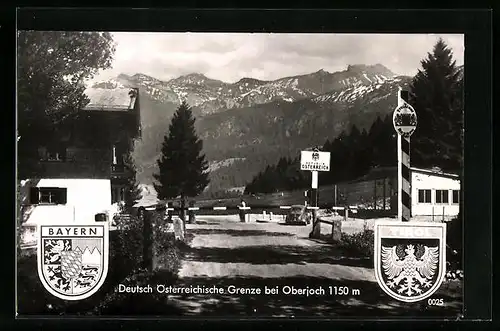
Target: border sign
404 120
315 161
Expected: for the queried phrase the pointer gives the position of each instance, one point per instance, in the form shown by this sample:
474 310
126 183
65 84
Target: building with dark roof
81 169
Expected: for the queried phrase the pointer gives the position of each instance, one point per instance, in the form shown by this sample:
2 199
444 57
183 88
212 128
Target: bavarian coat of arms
410 258
73 259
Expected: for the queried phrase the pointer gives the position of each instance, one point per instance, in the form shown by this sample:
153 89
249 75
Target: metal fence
376 194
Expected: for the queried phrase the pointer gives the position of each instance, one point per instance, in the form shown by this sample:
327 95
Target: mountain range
251 123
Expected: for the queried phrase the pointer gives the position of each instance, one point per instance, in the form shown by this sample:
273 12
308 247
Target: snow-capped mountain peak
381 87
208 95
192 79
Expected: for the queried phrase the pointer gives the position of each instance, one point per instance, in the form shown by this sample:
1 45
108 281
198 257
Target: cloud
232 56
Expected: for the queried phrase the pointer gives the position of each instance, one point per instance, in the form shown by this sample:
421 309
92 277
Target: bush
359 244
167 255
126 246
127 303
167 261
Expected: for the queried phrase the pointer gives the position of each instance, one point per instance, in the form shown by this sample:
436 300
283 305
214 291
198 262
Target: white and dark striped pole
405 121
316 230
404 180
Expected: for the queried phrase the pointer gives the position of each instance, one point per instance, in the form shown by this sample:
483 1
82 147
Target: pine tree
339 158
375 136
183 169
352 144
437 98
364 157
132 191
388 143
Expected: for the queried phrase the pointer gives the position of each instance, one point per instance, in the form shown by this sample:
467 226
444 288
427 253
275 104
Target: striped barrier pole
316 224
405 121
404 202
160 207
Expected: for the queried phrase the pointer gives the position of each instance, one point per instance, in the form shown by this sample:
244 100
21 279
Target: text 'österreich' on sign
315 161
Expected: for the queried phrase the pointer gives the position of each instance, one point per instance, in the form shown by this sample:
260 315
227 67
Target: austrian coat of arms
404 120
73 259
410 258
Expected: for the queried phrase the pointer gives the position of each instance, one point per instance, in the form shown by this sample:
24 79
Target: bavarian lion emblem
410 258
73 260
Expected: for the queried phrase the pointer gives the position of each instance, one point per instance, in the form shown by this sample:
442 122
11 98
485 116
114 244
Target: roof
435 172
387 172
117 99
378 173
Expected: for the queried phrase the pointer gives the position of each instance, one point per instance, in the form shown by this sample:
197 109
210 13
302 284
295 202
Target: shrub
167 261
126 246
127 303
166 250
359 244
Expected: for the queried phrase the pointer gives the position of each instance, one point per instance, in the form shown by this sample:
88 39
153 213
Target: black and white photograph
196 174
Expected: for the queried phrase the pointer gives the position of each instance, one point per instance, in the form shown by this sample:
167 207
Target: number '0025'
435 302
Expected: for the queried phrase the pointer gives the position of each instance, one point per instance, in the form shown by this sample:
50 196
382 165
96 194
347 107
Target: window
48 195
441 196
117 194
56 154
424 196
456 196
119 153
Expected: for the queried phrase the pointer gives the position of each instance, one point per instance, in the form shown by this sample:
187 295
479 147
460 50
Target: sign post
409 257
405 123
314 161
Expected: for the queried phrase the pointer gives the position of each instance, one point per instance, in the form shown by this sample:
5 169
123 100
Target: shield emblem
410 258
73 259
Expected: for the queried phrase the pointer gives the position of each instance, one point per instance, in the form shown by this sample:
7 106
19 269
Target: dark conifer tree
437 98
351 152
183 170
339 158
376 136
388 143
364 154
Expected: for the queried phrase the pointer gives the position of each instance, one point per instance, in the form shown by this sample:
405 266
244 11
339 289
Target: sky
232 56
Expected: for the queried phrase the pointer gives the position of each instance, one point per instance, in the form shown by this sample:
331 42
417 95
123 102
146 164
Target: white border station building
434 193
